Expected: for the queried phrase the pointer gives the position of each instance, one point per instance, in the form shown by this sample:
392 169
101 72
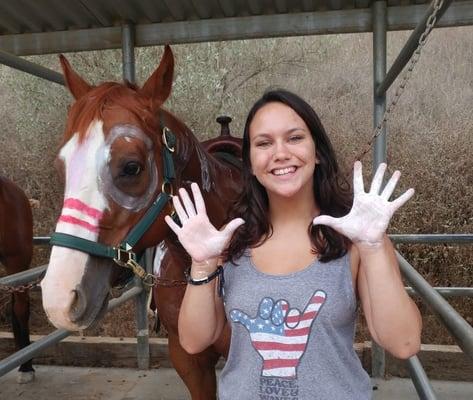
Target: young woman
300 254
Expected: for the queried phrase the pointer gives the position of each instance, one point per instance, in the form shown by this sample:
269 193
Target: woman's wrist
202 269
371 248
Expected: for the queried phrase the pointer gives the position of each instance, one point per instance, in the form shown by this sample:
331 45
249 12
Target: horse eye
131 168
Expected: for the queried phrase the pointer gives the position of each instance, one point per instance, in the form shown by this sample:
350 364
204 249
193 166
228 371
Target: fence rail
35 348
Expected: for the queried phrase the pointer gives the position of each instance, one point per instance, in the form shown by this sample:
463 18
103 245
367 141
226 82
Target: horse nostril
79 304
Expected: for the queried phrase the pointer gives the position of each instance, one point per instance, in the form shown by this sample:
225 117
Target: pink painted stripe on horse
76 204
76 221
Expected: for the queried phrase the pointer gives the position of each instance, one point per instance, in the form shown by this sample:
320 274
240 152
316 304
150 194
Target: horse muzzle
75 289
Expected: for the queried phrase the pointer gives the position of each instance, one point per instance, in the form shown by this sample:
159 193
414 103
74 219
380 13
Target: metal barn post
142 335
378 362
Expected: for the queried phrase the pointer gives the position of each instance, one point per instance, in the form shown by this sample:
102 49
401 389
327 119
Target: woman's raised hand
369 217
197 235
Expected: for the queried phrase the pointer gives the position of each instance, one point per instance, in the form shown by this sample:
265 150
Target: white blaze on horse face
83 208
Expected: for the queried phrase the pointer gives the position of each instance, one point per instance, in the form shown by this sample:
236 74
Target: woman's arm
201 317
392 317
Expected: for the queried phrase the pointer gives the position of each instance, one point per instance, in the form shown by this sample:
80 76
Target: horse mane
91 107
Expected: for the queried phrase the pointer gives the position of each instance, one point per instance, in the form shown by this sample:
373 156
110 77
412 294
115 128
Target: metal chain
20 288
431 21
157 281
150 280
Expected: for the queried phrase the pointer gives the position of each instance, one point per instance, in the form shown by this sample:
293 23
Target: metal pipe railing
379 19
457 326
31 68
458 238
447 291
453 238
23 277
28 352
420 380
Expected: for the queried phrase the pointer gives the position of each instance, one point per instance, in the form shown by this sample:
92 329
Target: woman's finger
402 199
183 217
198 199
358 186
188 204
389 188
175 227
378 179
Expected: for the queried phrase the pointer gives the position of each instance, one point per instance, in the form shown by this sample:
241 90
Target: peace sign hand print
279 334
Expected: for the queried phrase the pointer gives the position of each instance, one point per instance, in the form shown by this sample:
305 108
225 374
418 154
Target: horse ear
159 84
76 85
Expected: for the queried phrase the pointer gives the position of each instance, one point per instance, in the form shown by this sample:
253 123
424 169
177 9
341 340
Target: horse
122 156
16 251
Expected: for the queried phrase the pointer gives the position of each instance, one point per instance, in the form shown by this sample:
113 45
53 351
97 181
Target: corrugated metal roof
34 16
48 26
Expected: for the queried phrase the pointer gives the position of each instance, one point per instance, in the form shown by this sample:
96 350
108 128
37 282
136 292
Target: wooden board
439 361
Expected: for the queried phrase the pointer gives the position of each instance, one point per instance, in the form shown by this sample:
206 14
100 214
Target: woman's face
282 151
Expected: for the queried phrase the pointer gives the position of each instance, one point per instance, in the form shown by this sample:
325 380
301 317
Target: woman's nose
281 152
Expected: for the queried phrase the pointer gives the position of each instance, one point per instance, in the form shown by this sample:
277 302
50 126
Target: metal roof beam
251 27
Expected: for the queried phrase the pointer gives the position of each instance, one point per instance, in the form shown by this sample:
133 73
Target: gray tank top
292 335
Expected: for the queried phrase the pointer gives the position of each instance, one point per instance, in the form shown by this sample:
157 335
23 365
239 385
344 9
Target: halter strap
123 254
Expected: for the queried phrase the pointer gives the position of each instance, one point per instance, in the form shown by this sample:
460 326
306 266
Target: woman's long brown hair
331 189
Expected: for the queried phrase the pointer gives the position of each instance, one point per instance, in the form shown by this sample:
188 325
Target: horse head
114 158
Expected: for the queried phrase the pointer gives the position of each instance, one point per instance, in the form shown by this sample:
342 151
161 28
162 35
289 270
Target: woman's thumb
232 226
324 220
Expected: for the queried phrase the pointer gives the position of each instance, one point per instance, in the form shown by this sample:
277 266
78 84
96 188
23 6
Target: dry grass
430 134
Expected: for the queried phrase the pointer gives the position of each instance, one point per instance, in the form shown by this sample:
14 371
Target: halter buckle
166 130
167 188
137 269
120 260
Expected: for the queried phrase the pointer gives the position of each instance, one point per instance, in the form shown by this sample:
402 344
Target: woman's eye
131 168
296 138
262 144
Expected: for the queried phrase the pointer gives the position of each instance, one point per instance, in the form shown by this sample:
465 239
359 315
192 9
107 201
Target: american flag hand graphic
280 334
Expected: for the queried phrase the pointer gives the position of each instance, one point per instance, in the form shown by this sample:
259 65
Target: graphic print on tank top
279 334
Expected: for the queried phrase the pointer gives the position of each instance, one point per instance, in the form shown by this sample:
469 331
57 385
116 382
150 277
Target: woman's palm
197 234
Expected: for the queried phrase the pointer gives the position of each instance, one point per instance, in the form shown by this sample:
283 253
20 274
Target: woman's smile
284 171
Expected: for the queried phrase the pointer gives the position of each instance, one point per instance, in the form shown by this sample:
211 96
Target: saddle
225 147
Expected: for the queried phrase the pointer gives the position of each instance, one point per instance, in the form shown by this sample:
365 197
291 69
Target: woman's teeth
284 171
